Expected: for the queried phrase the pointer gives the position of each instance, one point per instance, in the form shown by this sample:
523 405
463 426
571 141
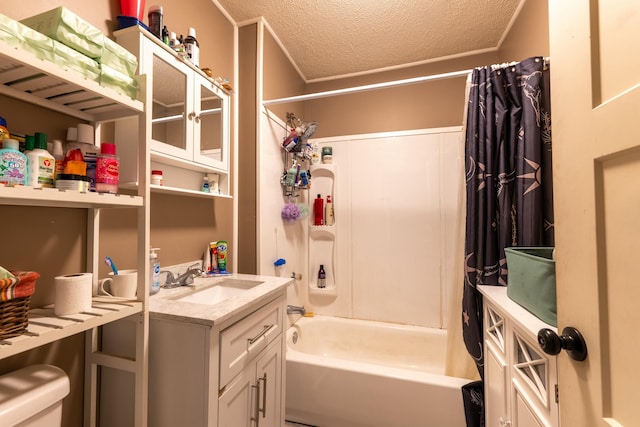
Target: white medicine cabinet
188 118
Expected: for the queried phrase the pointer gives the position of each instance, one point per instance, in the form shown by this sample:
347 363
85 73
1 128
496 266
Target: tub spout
291 309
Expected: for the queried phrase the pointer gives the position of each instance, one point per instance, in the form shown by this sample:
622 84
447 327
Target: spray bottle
192 47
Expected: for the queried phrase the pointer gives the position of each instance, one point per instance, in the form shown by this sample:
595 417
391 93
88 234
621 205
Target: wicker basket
14 317
15 296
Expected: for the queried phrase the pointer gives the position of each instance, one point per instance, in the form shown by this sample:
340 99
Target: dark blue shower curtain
508 187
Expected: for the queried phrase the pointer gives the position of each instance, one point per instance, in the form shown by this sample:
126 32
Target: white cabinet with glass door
188 117
520 379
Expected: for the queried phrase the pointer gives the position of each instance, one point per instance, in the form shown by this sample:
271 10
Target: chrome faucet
291 309
183 279
186 278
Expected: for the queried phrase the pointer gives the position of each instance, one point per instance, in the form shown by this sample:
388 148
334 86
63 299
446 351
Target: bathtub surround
393 263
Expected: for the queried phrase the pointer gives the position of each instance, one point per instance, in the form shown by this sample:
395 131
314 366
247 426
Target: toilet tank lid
27 391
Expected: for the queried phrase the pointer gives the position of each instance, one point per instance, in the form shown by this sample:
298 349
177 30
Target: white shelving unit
26 77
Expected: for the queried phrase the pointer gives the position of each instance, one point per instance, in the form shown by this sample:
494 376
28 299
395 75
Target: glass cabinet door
213 126
169 119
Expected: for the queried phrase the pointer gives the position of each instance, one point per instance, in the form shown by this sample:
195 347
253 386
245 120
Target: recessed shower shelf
327 290
322 238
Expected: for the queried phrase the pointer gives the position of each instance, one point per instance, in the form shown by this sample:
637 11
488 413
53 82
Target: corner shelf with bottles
322 234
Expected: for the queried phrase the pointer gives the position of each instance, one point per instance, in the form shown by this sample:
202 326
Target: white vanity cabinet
254 397
188 119
219 375
520 379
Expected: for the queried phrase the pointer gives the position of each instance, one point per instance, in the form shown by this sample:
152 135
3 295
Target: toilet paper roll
72 134
85 133
73 293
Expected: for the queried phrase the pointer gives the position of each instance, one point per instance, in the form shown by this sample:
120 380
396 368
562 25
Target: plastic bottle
41 164
165 35
58 154
4 132
155 20
318 211
205 185
156 177
107 169
327 155
221 255
29 143
90 155
154 274
192 47
290 179
13 164
322 277
328 217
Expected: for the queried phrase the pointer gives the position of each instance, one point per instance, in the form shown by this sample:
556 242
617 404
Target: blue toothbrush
111 264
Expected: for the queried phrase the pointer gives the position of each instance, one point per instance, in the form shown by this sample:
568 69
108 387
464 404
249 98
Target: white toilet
32 396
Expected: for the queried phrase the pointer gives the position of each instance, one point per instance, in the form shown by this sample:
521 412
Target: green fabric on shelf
68 28
532 281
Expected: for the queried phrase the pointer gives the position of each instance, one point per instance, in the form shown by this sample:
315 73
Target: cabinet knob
571 340
191 115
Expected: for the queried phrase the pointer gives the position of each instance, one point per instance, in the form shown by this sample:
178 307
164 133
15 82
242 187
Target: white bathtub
355 373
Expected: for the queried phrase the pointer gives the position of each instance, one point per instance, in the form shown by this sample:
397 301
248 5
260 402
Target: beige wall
247 113
280 79
529 35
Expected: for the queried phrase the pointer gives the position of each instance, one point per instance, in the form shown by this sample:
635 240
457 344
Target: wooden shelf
29 78
45 327
52 197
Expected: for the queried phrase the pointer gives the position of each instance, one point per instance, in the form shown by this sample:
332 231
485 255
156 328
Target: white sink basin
216 292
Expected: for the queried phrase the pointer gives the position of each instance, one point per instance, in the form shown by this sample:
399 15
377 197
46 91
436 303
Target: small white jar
156 177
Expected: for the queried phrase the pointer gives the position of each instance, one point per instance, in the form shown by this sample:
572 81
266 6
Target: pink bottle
107 169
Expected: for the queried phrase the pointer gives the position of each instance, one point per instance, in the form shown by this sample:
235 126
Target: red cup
134 8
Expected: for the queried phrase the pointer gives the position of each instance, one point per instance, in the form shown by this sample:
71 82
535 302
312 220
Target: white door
595 73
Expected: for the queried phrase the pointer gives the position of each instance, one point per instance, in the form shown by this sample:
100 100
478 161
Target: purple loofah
290 212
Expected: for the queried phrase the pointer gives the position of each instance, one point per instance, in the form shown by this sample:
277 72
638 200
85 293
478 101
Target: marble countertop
164 304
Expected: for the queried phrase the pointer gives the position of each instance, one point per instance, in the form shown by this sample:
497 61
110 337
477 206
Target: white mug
122 285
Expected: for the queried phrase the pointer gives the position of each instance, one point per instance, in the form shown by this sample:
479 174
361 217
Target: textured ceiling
331 38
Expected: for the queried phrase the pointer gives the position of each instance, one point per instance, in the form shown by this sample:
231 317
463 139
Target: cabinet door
496 369
171 111
269 369
523 415
237 404
210 124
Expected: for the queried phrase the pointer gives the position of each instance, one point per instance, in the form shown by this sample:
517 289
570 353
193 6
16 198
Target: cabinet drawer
243 340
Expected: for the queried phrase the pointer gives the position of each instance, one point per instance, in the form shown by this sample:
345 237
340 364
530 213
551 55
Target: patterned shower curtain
508 185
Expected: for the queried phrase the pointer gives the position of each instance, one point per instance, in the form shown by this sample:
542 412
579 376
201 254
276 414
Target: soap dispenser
154 273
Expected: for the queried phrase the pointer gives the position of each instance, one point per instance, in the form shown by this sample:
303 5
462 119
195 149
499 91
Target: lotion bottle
154 274
328 217
41 164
